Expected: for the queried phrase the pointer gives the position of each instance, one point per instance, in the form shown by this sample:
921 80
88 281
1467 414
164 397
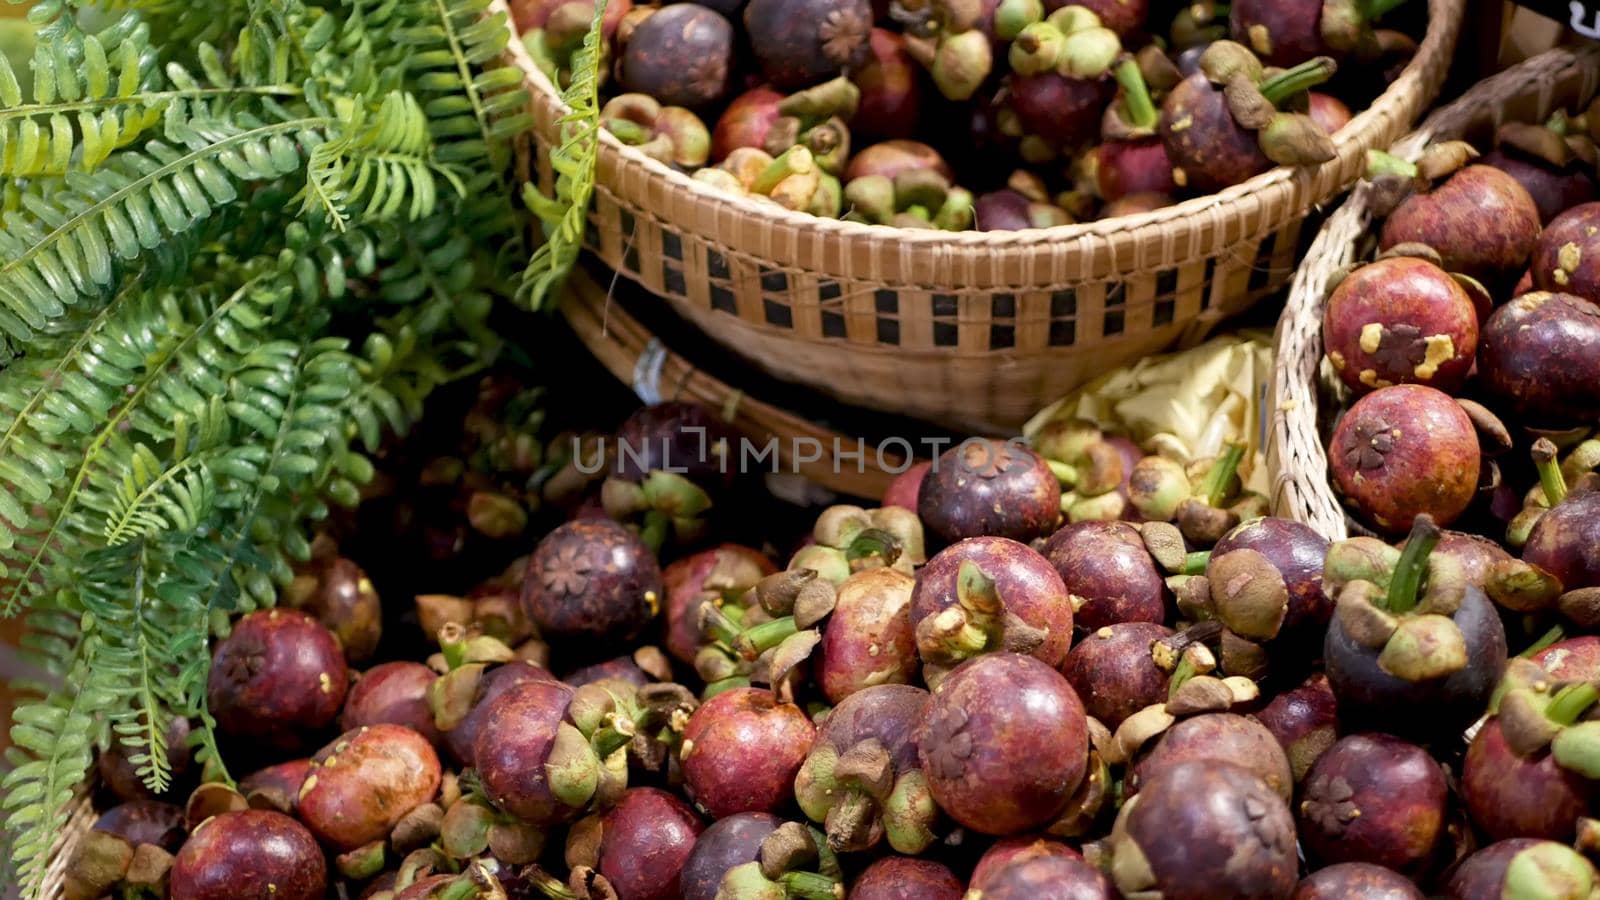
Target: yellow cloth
1197 400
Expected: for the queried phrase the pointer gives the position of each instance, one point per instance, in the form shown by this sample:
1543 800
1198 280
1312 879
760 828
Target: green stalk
1373 10
1215 488
873 542
1195 563
755 641
1067 475
1140 109
609 739
1381 163
718 626
811 886
726 684
1180 675
1571 702
1303 77
1555 633
453 644
1550 477
1413 564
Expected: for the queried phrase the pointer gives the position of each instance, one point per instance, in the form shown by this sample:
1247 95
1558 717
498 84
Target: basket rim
1296 457
1365 130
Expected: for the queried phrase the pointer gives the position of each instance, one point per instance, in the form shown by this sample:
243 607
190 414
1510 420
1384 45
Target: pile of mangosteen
987 114
1073 668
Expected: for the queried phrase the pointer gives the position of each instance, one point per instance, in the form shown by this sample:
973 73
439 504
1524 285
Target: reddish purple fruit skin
1290 30
1329 112
1212 829
741 750
1566 541
676 437
1414 303
1108 573
1304 721
1356 881
1002 210
346 602
906 487
145 822
891 90
1476 554
513 745
1122 16
1574 659
1124 168
1374 798
1553 191
1482 875
888 713
1047 877
685 582
278 677
1203 139
1017 848
1064 111
283 781
746 122
1574 230
1113 673
249 855
495 681
646 839
1297 552
1004 743
1514 796
1026 582
726 843
985 488
1481 222
903 878
394 693
868 639
621 669
890 158
364 783
1540 355
803 42
682 55
592 578
1429 466
1223 737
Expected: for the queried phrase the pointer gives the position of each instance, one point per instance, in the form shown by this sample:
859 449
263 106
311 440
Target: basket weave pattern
1296 460
971 329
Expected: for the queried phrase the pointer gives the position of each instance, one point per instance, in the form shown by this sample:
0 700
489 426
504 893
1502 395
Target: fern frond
376 166
563 216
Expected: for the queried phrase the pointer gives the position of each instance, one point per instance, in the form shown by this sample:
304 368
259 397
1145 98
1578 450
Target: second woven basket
973 330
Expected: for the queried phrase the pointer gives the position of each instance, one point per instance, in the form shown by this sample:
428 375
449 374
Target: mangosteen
906 487
1017 848
535 764
1287 32
1523 867
276 787
1329 112
1131 160
1049 877
1109 574
892 158
1059 87
1573 659
896 877
988 488
1404 451
1221 736
254 854
862 779
728 842
1476 554
1400 320
367 780
1304 721
1413 649
799 43
741 750
1555 165
1203 829
1114 672
1480 221
1376 799
1218 138
1004 743
682 55
278 678
1135 204
868 639
669 134
747 122
639 846
793 861
891 90
145 822
985 593
1567 257
1125 17
121 776
1265 585
461 716
719 575
1356 881
1510 794
1539 354
592 579
394 693
341 596
1009 210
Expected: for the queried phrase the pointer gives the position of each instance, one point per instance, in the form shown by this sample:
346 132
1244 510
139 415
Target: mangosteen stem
796 160
1303 77
611 738
872 542
1556 633
1139 109
849 821
453 644
716 625
1407 580
1571 702
725 684
1215 488
1550 477
1195 563
811 886
1181 674
753 642
1381 163
1373 10
1066 474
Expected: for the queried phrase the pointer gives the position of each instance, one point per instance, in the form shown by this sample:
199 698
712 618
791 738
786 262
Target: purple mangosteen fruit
1356 881
1523 867
145 822
899 877
1265 578
278 678
492 682
799 43
1045 878
1329 112
868 639
1222 736
1286 32
249 855
728 842
1404 451
1305 722
1109 574
121 776
1555 165
592 579
1014 849
277 786
393 693
1004 743
987 488
1400 320
987 593
891 90
715 576
533 763
1510 794
1114 672
367 780
906 487
340 595
1480 221
741 750
682 55
644 842
1567 257
1540 356
1376 799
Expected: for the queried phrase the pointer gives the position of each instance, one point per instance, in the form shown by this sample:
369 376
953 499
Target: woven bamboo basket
973 330
1296 460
